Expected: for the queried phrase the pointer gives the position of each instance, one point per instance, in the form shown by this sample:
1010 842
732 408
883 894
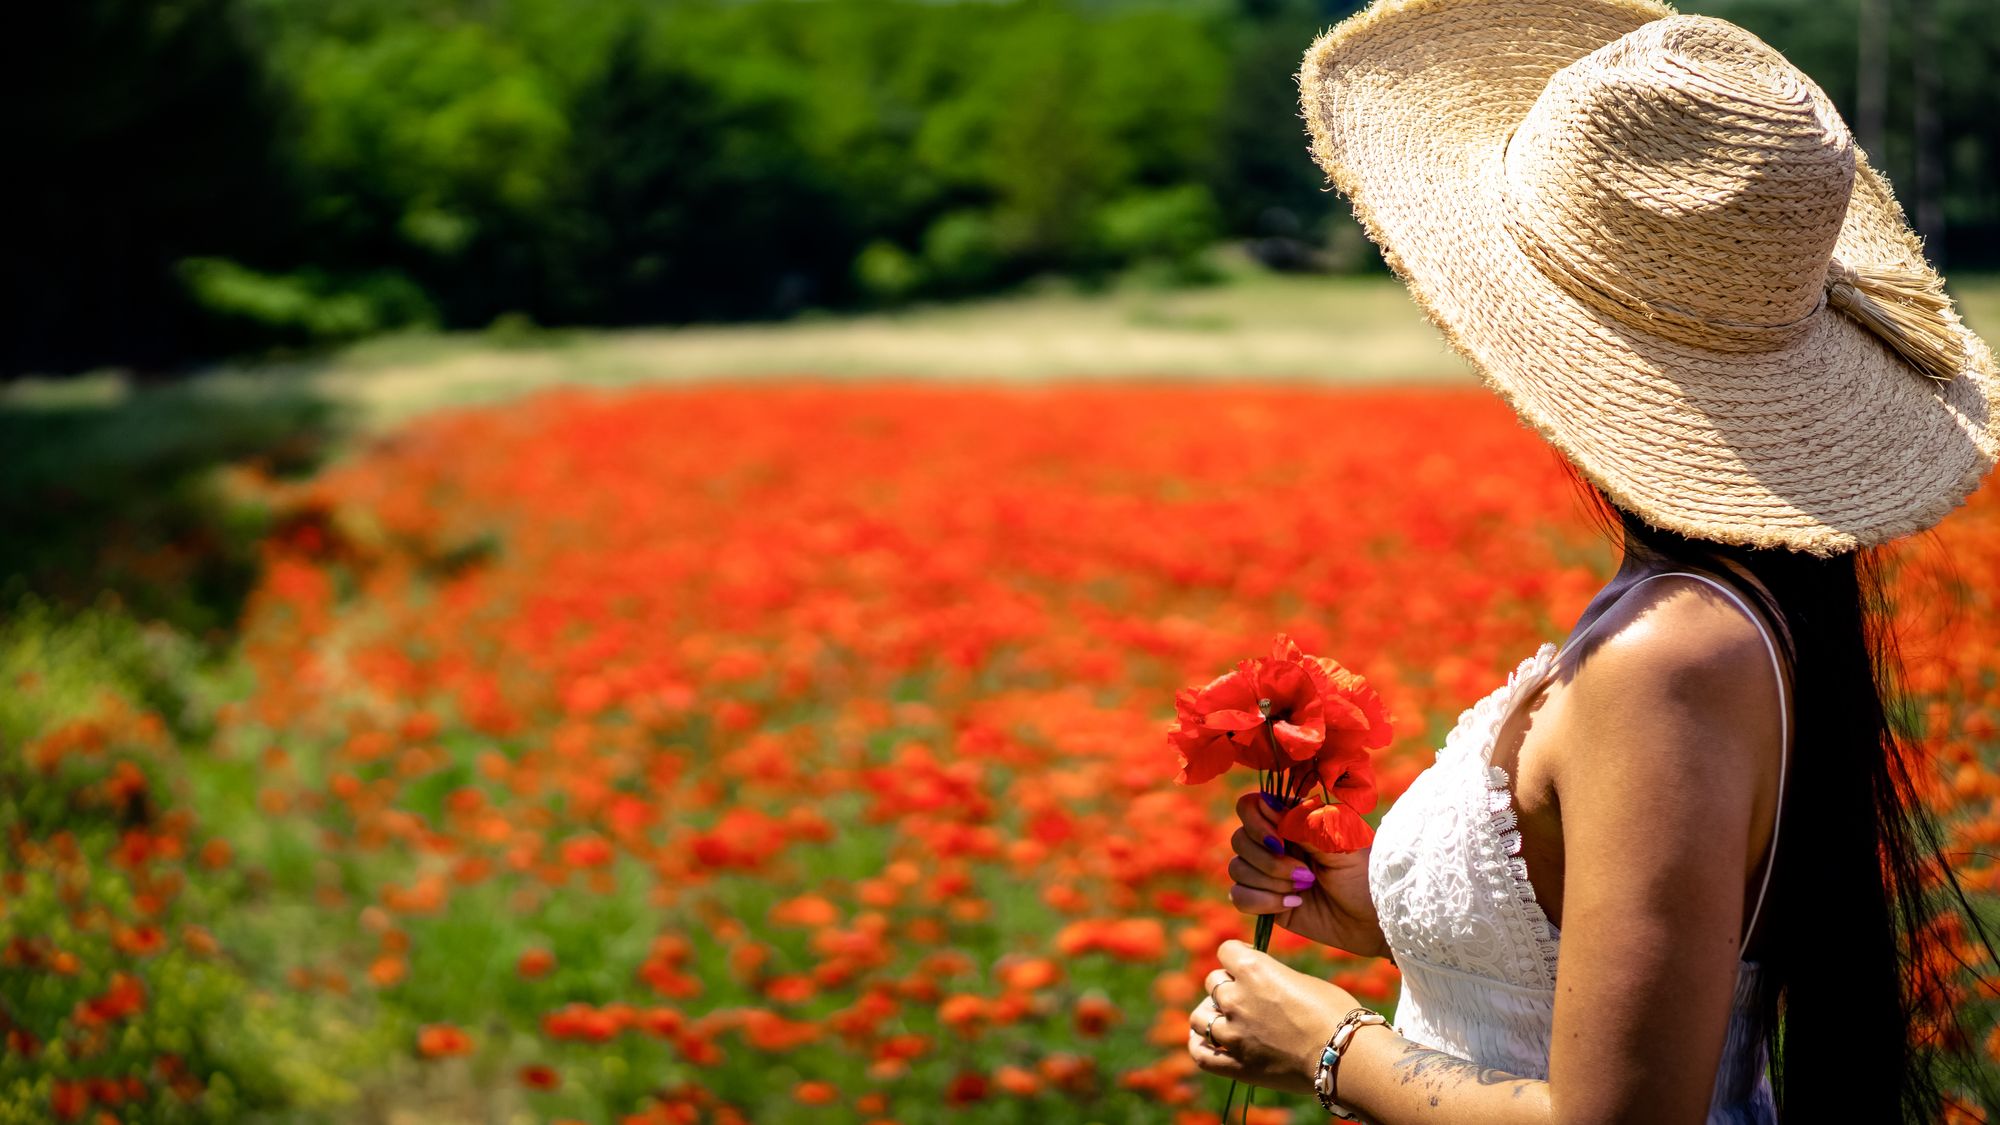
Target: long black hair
1862 977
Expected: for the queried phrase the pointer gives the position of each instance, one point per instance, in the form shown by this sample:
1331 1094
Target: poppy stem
1281 777
1277 755
1279 785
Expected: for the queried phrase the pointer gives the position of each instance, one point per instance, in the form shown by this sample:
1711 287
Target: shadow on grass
110 492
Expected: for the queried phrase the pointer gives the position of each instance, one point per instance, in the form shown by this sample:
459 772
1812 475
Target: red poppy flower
966 1087
1273 713
1278 692
1223 724
1205 753
816 1093
442 1040
535 964
1019 1081
1350 777
1361 722
1094 1015
536 1076
1325 828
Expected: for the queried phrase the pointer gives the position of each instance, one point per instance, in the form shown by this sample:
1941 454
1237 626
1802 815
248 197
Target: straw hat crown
1657 240
1685 178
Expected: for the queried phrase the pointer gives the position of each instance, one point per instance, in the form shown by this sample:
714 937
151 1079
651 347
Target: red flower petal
1301 743
1232 691
1351 776
1203 756
1288 687
1356 690
1342 714
1232 720
1325 828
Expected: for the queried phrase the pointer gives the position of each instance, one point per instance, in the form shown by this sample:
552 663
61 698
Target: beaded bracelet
1329 1059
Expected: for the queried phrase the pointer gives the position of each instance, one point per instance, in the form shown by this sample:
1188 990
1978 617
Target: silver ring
1208 1033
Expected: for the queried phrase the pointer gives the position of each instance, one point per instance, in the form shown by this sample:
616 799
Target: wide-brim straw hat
1657 240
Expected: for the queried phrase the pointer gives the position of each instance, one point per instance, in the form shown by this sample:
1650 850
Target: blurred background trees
211 177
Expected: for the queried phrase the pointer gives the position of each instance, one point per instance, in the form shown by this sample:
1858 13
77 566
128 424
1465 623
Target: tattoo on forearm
1435 1070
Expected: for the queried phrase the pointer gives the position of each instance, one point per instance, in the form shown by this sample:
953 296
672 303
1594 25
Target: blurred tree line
207 177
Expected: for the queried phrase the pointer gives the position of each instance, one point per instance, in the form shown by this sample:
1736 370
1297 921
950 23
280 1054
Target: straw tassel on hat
1908 309
1657 240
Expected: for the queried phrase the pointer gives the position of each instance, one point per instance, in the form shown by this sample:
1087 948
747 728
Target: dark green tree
137 134
690 205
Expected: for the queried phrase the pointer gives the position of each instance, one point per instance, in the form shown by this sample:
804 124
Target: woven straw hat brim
1830 443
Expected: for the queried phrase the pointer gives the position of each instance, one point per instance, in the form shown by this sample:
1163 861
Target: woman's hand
1322 897
1264 1023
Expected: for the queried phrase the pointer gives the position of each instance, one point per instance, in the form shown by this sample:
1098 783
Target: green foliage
307 306
611 162
690 203
307 172
885 271
112 991
143 134
964 250
116 493
1172 225
435 130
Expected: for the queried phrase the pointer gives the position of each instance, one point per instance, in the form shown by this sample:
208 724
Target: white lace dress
1477 954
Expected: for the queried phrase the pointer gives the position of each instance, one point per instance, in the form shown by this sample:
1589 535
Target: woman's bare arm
1668 735
1387 1078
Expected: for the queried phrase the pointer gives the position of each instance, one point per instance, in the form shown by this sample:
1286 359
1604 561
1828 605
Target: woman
1656 239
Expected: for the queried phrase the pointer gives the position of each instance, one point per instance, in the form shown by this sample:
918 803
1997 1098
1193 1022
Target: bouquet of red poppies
1306 725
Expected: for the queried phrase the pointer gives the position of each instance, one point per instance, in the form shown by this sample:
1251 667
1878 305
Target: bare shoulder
1685 657
1672 633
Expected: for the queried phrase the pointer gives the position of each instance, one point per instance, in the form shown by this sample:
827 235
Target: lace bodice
1446 871
1477 954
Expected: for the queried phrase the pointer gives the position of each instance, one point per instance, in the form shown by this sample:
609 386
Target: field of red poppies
781 753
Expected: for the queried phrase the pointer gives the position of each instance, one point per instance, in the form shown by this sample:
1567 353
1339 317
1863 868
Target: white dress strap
1784 716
